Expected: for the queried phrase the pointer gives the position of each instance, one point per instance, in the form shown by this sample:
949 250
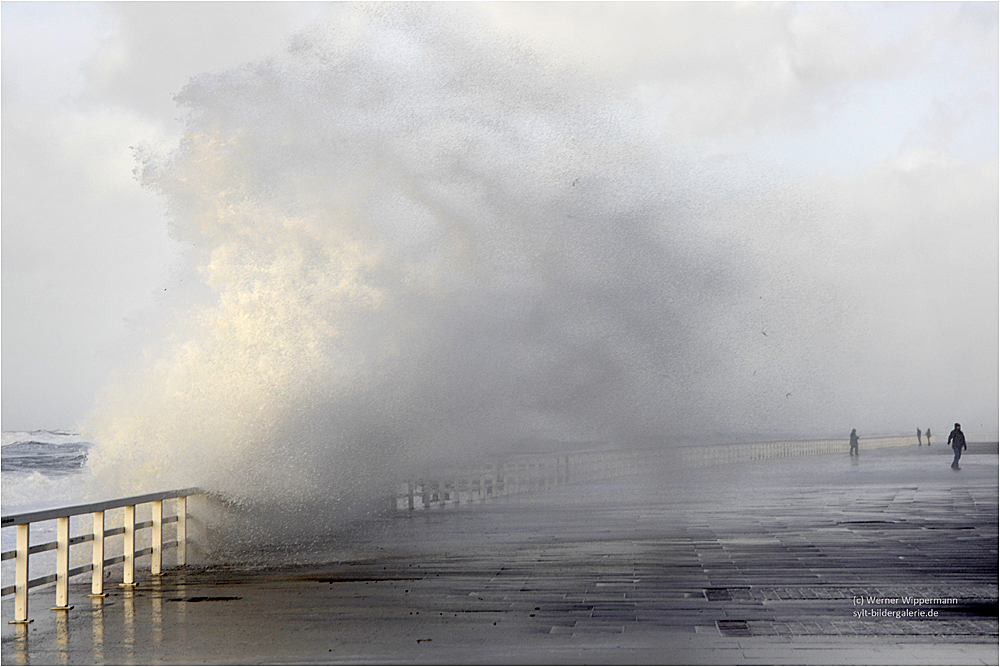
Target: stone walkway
794 561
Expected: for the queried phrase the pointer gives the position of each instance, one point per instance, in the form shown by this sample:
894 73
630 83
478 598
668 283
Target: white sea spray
426 241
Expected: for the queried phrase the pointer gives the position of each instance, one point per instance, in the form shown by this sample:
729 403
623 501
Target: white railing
754 451
518 474
62 515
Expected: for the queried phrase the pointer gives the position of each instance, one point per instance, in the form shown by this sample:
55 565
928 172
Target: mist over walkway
803 560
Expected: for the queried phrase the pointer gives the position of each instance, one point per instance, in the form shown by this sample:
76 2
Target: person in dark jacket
928 436
918 437
854 442
957 441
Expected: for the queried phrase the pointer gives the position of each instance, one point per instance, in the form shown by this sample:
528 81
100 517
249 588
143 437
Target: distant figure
928 436
918 438
957 441
854 442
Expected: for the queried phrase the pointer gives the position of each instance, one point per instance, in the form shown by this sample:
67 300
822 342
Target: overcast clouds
888 111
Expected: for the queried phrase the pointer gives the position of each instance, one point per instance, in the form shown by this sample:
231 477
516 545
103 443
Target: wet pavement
888 559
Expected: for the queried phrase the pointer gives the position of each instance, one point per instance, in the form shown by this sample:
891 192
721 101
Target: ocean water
42 469
54 452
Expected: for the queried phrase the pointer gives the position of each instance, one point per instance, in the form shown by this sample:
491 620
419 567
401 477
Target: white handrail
63 543
518 474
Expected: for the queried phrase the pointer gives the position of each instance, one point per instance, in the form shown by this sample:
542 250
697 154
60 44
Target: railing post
97 578
62 564
21 575
129 577
182 530
156 565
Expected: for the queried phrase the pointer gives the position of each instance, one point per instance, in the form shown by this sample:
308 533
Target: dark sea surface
47 452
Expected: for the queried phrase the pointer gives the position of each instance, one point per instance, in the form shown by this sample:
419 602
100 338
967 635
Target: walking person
854 442
957 441
928 436
918 438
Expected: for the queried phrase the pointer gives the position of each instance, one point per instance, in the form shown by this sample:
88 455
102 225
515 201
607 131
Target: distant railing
524 473
63 543
755 451
518 474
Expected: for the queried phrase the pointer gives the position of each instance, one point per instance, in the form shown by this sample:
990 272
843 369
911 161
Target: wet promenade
891 559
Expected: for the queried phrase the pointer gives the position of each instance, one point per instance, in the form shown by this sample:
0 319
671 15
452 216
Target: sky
882 116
